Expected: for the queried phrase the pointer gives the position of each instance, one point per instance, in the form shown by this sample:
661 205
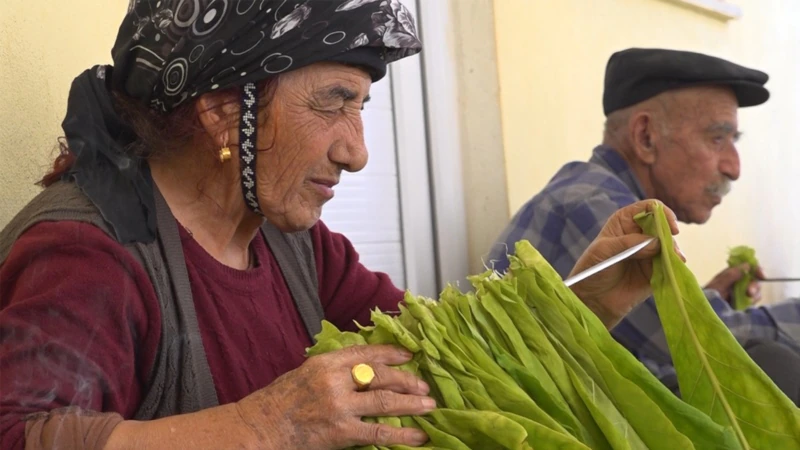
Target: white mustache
722 188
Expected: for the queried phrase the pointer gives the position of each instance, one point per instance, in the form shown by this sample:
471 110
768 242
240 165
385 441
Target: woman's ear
218 114
642 135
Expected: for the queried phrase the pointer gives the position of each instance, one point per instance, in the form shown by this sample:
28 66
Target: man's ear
218 112
642 129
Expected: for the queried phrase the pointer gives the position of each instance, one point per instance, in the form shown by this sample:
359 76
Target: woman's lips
324 187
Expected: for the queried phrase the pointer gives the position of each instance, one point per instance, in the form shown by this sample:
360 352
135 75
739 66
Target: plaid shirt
563 219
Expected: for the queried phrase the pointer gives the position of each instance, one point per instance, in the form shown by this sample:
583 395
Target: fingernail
405 353
423 387
420 437
429 403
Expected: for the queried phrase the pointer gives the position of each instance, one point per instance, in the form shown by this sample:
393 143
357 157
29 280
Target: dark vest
180 381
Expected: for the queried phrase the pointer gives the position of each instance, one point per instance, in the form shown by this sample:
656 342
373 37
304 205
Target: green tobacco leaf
543 437
501 388
330 339
547 380
399 328
738 256
438 437
428 327
551 401
644 415
391 421
405 447
445 383
480 429
533 273
620 434
715 374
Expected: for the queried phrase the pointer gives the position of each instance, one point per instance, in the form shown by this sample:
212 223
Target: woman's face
312 132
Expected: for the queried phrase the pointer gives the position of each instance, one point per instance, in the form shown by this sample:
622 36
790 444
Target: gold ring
363 374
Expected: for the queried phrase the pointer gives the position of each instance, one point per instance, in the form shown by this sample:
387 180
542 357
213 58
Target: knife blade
607 263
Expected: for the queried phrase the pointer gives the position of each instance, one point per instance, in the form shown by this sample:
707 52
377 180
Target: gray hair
660 106
615 125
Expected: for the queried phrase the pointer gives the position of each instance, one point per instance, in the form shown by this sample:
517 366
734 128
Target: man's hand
723 282
612 293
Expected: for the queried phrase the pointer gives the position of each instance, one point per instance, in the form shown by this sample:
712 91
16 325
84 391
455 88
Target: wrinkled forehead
700 106
329 79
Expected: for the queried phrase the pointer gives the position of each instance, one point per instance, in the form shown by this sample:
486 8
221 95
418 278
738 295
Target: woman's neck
206 200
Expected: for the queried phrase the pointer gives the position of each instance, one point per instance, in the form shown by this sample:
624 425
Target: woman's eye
336 110
329 110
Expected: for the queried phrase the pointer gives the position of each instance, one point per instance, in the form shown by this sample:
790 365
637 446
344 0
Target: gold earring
224 155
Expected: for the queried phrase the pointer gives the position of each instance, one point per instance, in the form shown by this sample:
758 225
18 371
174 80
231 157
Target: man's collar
609 158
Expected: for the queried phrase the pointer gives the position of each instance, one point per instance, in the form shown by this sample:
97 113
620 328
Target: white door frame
413 171
429 155
440 82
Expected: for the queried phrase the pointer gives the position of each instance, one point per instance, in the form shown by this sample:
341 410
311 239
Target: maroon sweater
80 321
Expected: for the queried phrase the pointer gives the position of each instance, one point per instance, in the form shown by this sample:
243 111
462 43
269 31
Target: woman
176 261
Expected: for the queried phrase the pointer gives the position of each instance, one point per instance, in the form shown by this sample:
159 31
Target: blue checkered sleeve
779 322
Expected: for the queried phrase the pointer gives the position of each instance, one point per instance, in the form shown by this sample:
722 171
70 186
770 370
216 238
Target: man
671 131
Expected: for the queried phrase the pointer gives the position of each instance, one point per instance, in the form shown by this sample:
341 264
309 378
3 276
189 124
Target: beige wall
552 57
481 133
43 47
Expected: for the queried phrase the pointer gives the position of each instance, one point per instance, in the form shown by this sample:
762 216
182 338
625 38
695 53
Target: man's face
696 156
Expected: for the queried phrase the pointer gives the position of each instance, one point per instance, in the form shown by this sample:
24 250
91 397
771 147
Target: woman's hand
615 291
318 405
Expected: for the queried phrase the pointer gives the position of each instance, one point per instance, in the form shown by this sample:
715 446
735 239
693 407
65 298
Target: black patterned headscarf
169 52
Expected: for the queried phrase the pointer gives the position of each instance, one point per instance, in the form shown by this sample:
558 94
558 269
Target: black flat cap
637 74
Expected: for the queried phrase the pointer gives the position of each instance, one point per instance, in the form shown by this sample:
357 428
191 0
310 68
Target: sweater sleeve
347 289
77 316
